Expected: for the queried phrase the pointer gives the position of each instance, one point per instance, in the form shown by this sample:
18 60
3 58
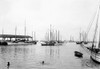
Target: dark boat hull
33 42
78 42
85 42
50 43
3 43
47 44
78 54
95 55
95 60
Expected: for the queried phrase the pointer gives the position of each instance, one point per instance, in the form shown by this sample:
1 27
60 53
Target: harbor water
54 57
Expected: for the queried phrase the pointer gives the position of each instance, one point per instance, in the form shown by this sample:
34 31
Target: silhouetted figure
8 65
42 62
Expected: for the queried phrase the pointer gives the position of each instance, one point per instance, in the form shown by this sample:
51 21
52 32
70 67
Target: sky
67 16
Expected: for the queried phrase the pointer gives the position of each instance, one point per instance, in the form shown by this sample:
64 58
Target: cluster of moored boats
52 43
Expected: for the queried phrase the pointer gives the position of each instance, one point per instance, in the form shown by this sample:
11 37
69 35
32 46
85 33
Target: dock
9 37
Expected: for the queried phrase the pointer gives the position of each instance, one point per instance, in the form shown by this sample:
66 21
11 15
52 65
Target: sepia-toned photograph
49 34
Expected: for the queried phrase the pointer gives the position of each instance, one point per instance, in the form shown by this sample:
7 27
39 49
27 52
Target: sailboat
58 38
84 38
95 50
50 41
80 41
34 41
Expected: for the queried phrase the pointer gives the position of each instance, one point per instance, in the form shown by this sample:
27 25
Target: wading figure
8 65
42 62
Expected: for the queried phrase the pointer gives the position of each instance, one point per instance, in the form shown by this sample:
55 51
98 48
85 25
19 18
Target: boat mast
50 33
99 40
34 35
2 31
47 35
80 35
99 31
25 28
96 28
85 38
90 24
15 32
58 35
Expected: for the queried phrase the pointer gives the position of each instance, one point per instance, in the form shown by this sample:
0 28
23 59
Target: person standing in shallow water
8 65
42 62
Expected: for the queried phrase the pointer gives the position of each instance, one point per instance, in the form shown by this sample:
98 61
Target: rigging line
99 40
99 35
90 24
25 27
96 26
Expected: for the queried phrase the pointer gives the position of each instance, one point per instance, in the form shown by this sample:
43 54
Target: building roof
14 36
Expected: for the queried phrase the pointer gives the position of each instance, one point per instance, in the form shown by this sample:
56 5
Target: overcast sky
68 16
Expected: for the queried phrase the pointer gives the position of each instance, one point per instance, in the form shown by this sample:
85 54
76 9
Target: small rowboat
78 54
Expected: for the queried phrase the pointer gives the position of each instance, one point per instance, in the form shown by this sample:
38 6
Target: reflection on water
52 53
54 57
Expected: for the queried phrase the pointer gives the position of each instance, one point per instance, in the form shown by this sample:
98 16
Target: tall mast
2 31
34 35
99 31
25 28
90 25
50 33
58 35
85 38
70 38
80 34
46 36
96 28
15 30
99 40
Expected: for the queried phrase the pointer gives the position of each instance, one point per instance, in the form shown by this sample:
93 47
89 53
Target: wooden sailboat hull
95 50
85 42
78 42
95 60
50 43
95 57
46 44
33 42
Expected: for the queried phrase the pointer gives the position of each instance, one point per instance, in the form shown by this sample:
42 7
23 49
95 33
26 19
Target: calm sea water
54 57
